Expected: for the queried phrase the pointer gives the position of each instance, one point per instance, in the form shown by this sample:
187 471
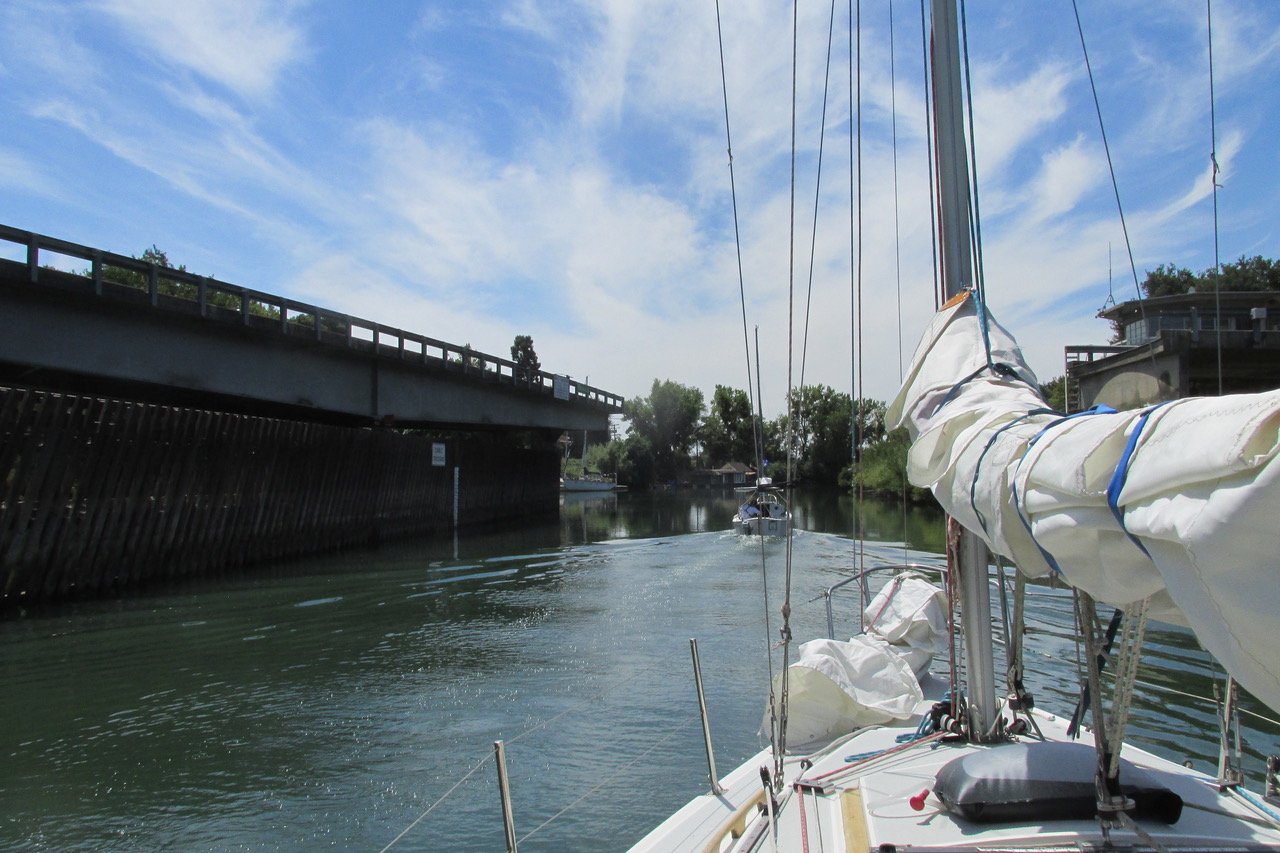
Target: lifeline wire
618 772
660 664
432 807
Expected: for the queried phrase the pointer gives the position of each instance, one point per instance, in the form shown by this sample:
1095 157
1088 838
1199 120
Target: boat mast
957 276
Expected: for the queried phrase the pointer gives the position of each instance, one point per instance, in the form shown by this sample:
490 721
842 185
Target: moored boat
590 481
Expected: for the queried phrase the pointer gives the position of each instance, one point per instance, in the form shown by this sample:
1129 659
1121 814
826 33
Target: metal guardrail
180 291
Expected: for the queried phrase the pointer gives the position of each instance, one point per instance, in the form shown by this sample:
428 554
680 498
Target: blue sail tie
1122 473
1017 500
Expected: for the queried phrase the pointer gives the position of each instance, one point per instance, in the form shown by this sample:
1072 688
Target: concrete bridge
156 425
134 329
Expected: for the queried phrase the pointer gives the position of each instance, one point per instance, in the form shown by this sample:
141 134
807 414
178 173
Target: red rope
804 822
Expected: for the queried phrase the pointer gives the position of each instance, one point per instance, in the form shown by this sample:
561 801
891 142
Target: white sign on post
560 387
437 455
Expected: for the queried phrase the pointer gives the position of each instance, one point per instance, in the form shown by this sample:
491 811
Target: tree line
674 430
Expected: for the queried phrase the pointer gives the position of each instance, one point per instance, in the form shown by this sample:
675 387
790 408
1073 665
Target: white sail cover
873 679
837 687
911 615
1197 489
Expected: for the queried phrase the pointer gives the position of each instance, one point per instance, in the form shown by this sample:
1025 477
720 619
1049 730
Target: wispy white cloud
1067 175
242 45
1012 111
19 173
39 40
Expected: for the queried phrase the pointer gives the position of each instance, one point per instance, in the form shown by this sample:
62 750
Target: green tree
141 281
869 421
774 456
1167 280
820 424
185 290
636 462
883 468
526 359
472 361
668 421
1244 275
726 436
1055 393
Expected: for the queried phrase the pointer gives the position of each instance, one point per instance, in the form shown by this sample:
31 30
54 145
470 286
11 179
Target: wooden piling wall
102 495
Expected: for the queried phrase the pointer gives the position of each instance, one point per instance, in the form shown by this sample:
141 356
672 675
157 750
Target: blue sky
474 171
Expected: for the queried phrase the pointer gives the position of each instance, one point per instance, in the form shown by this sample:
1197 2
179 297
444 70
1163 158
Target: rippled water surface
333 702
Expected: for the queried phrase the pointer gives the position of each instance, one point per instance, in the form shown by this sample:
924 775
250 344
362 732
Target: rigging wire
753 397
855 414
1226 771
737 237
975 219
781 742
897 249
1115 186
928 142
897 228
1213 159
817 194
855 267
764 563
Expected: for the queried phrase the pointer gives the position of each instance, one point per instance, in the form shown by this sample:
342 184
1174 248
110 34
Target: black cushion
1039 781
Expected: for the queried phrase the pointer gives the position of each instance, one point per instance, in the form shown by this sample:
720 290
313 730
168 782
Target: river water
331 703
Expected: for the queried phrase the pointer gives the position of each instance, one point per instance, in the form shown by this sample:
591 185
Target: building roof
1182 303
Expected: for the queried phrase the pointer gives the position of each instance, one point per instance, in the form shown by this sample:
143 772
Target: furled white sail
1179 502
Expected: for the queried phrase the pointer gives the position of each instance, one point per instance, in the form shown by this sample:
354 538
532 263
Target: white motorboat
763 513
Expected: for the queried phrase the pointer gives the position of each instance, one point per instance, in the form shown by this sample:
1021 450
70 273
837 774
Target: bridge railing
121 278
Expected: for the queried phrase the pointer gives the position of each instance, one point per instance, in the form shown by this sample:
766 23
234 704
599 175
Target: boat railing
860 577
1057 614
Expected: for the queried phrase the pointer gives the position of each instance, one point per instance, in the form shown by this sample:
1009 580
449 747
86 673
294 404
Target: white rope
1126 672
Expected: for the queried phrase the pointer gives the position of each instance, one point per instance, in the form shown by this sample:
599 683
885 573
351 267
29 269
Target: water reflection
598 517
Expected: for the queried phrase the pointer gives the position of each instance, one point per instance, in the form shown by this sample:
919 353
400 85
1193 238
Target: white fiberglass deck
846 802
